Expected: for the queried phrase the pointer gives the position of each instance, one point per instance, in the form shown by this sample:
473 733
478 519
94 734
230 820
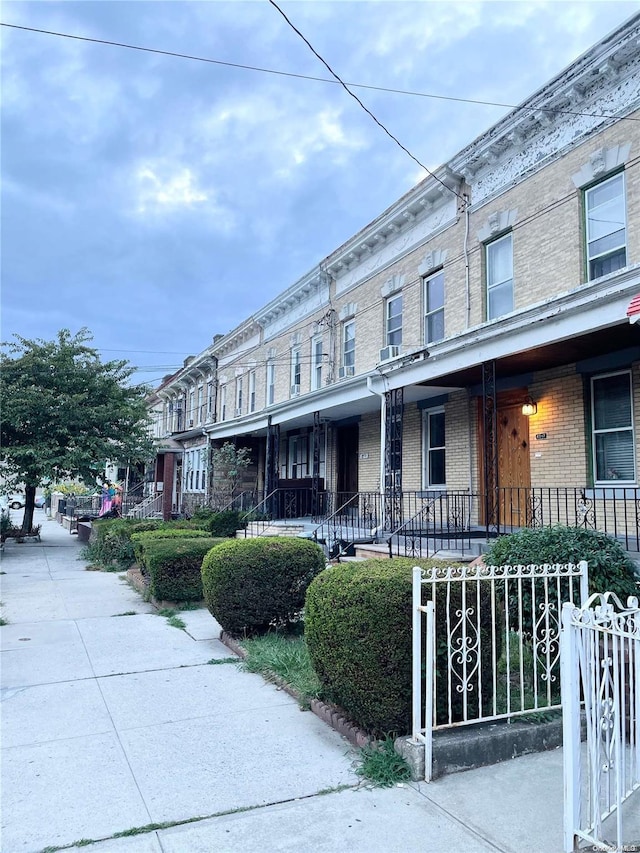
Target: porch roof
633 311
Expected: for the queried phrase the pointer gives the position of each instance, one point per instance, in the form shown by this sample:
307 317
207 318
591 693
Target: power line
312 78
366 109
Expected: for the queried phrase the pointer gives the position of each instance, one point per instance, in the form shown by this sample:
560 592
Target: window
612 419
209 400
316 363
271 383
434 471
239 401
298 460
223 402
394 321
349 347
296 371
200 406
434 308
252 391
192 409
499 258
606 227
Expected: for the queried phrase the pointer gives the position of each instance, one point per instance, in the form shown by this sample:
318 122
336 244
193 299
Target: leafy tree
229 464
66 413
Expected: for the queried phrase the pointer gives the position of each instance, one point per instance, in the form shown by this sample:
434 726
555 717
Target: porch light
530 407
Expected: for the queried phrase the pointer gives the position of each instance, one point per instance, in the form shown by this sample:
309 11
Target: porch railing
356 519
442 522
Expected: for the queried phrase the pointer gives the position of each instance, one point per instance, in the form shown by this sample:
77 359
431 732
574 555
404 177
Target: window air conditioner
387 353
347 370
295 390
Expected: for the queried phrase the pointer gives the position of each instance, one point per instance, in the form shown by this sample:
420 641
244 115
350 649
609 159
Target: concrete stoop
480 746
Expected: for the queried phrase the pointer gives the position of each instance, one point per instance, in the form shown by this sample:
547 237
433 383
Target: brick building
468 355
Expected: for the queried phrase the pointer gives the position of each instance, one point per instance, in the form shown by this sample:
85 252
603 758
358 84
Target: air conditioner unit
295 390
387 353
347 370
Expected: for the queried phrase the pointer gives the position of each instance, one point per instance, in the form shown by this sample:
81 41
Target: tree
66 413
229 464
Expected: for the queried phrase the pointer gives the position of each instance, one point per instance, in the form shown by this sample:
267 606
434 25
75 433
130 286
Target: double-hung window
349 347
316 363
200 404
271 383
223 402
296 371
434 471
606 230
239 395
499 265
612 419
434 308
252 391
394 321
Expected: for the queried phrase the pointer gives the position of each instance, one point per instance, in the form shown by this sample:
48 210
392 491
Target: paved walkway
112 720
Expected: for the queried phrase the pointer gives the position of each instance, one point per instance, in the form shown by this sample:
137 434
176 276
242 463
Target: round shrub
358 631
140 540
252 584
609 566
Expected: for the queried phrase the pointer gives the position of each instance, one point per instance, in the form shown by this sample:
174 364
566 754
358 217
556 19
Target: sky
158 201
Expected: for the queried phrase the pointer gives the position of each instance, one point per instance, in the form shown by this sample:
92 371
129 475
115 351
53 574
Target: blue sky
159 201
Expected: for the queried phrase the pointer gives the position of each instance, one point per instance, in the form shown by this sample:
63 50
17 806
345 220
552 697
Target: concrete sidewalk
112 722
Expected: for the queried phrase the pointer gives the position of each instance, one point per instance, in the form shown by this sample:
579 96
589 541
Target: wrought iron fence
354 518
600 647
491 637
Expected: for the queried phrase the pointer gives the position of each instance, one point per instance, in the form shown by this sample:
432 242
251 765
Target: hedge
110 544
358 631
140 540
173 566
252 584
224 523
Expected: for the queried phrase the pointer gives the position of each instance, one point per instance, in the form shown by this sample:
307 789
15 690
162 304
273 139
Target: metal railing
600 647
150 506
442 522
492 643
357 519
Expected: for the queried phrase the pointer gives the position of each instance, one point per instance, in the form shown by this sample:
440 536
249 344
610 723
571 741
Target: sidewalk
112 724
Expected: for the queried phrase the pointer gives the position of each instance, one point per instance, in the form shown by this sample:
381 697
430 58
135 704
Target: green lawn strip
381 765
287 658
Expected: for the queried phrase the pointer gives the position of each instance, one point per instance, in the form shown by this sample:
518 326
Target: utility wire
366 109
314 79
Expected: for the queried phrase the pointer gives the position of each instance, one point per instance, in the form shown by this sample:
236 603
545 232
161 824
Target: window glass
499 277
271 383
295 371
316 368
394 321
434 449
349 344
606 227
613 441
434 308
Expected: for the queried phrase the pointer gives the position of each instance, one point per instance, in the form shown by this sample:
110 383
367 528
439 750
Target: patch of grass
381 764
177 622
3 621
216 661
285 656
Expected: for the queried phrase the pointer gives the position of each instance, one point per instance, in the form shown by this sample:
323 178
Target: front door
513 460
347 439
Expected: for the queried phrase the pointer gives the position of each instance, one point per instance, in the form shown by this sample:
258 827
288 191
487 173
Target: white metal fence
601 663
486 643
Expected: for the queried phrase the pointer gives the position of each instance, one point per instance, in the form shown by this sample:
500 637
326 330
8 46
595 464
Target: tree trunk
29 506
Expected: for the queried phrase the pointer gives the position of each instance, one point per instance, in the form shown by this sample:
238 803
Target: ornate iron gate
315 472
394 410
272 461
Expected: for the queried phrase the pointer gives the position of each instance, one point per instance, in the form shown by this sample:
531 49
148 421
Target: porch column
490 449
394 411
315 472
271 463
167 487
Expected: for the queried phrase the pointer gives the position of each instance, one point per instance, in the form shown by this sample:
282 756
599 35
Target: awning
633 311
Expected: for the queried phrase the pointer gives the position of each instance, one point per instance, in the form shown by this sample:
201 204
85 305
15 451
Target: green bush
224 523
173 566
110 545
609 566
140 540
250 584
358 630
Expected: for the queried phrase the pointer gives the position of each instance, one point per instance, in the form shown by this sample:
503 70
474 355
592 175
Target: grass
381 765
216 661
286 657
171 615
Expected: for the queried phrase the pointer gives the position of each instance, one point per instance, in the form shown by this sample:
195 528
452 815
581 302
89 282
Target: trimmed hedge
252 584
140 540
609 566
110 544
173 566
358 631
224 523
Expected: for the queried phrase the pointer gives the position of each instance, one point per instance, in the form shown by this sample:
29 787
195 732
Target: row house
466 361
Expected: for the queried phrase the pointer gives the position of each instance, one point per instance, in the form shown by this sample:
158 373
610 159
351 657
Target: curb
329 714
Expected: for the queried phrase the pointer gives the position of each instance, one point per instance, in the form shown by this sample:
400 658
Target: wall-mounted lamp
529 407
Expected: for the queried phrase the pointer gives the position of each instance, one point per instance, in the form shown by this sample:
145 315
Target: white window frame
494 285
270 396
252 391
393 337
192 406
595 432
432 312
592 259
296 369
349 345
298 457
200 404
317 358
239 394
428 448
223 402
